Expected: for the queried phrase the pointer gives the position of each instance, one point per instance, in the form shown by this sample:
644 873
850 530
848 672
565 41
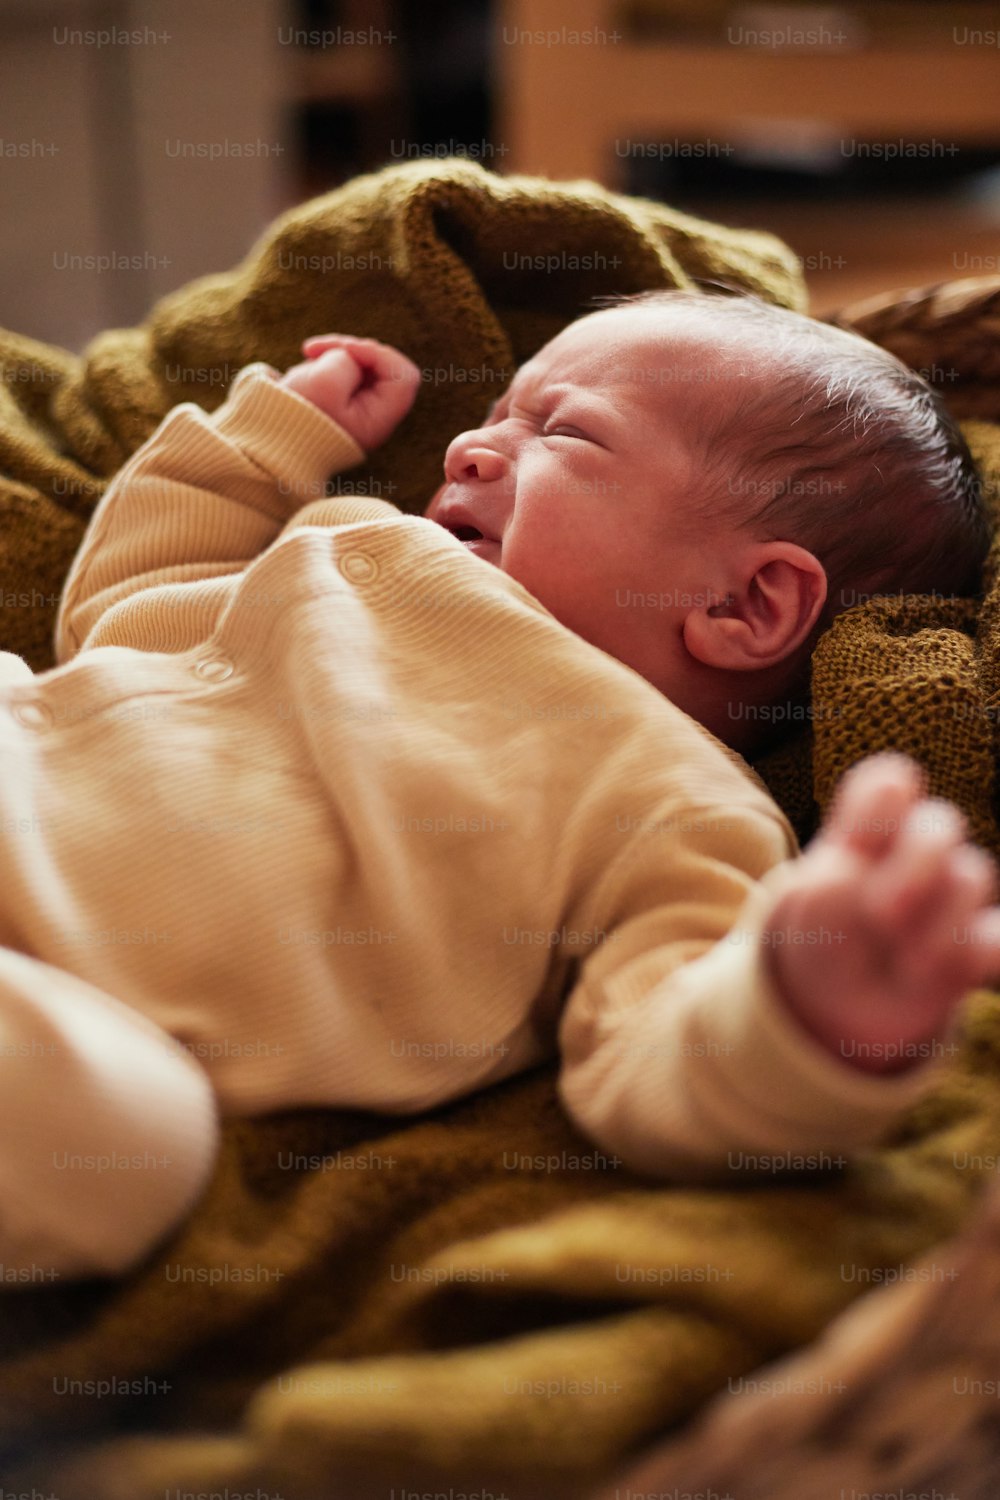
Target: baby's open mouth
476 541
458 519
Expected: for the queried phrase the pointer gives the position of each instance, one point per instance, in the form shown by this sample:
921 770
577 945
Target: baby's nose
469 456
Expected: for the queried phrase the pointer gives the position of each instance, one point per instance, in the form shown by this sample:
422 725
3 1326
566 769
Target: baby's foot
889 924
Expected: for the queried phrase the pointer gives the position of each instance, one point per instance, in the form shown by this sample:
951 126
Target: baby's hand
889 925
365 386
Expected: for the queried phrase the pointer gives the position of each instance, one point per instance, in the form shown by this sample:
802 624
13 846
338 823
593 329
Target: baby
330 805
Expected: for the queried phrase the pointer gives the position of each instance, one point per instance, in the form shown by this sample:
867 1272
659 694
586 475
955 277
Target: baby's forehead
638 354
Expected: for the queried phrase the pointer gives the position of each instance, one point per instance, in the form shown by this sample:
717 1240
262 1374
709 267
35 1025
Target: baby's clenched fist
366 387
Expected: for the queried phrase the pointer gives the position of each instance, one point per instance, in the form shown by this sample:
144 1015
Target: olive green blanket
475 1301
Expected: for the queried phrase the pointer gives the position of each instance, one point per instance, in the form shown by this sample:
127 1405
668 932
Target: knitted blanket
474 1301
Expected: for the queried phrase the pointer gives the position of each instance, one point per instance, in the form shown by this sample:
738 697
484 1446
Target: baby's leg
108 1129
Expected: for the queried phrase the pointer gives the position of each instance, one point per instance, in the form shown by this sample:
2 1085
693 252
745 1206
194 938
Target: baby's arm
682 1052
892 873
207 494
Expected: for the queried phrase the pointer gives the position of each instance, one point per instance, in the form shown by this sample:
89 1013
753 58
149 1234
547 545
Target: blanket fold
475 1299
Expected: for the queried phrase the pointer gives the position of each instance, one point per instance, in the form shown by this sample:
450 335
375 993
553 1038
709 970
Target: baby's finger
910 880
352 338
976 871
937 942
383 364
973 886
318 344
358 349
872 800
979 940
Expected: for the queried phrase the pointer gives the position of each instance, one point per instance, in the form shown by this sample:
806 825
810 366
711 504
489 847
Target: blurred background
147 142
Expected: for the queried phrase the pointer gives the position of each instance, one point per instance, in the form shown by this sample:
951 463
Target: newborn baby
335 806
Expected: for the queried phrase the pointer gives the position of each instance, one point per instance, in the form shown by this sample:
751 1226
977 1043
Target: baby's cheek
530 563
568 579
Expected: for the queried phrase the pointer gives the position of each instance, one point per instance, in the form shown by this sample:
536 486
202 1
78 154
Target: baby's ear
724 606
768 613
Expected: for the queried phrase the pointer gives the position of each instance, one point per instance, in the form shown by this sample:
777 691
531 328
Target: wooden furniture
566 108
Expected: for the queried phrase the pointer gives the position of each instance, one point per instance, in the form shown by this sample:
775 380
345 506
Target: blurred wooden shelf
563 104
918 23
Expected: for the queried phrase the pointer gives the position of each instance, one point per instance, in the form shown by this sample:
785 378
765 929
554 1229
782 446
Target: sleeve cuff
772 1070
712 1065
283 433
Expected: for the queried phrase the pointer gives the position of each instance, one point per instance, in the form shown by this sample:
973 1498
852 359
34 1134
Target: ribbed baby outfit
320 809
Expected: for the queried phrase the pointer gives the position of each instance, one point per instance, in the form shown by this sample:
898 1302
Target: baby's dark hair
854 457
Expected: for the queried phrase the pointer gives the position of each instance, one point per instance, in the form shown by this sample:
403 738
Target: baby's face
578 484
